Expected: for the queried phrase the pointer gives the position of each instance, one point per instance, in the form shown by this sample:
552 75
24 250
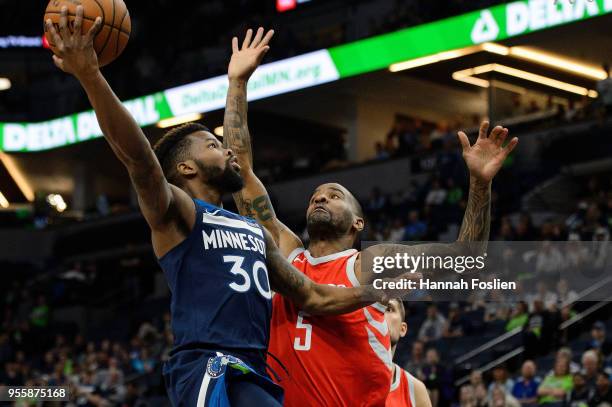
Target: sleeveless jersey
331 360
402 390
220 294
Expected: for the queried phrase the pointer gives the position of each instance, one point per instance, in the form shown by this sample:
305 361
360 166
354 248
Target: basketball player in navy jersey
216 262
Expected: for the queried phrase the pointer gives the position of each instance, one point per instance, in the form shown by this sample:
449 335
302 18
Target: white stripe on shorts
204 387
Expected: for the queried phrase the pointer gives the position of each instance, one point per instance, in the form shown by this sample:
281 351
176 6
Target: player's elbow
317 303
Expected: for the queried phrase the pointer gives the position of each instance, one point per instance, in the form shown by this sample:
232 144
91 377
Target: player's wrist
238 80
479 183
88 76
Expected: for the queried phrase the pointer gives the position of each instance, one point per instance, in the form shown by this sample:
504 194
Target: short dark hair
357 206
173 148
400 305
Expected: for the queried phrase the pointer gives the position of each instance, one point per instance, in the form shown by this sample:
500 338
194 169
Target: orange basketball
116 24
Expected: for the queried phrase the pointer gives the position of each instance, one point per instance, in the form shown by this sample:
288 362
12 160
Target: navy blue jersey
221 296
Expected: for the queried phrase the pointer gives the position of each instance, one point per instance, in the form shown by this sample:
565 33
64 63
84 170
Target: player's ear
358 224
187 168
403 329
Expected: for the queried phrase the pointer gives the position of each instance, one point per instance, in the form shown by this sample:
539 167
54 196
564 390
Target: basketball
116 24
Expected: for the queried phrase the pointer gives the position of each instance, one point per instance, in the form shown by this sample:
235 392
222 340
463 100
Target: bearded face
330 213
226 179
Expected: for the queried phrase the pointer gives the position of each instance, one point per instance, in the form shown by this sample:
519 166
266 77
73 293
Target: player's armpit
316 299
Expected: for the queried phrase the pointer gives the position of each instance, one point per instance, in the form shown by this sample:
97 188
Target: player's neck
204 193
320 248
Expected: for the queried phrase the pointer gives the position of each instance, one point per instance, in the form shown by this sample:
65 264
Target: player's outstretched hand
486 156
246 58
75 51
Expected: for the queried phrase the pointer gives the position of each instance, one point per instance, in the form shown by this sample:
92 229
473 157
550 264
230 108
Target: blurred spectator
543 295
415 229
603 392
396 233
590 368
604 88
143 363
40 313
581 393
456 324
598 341
455 192
538 330
415 363
556 386
467 397
549 261
501 379
564 294
501 398
518 317
525 230
377 201
433 326
435 377
566 352
525 389
436 195
381 151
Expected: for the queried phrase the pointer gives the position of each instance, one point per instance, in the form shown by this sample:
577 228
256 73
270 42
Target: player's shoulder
421 395
213 210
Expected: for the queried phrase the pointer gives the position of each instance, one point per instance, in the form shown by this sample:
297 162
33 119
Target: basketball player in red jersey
346 360
406 390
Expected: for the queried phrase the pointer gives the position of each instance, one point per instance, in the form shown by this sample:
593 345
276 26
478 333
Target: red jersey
402 390
340 360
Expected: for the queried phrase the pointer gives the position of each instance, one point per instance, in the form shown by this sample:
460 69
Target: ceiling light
17 176
432 59
5 84
467 75
495 48
544 80
559 63
483 83
525 53
219 131
57 201
175 121
3 201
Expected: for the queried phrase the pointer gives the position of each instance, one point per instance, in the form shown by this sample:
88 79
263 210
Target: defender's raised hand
486 156
76 54
246 59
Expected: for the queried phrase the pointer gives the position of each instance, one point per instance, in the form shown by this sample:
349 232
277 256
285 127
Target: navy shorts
204 378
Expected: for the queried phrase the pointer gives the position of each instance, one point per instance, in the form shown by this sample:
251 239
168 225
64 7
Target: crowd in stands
35 351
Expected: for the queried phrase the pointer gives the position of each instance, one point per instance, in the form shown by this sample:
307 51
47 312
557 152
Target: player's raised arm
76 56
253 200
313 298
483 159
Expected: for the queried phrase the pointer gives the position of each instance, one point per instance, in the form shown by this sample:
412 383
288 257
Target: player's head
191 153
395 316
333 212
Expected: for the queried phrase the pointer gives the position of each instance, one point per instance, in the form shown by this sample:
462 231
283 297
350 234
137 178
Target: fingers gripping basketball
114 33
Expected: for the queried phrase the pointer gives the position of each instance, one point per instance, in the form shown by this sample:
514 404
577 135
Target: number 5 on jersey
297 345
